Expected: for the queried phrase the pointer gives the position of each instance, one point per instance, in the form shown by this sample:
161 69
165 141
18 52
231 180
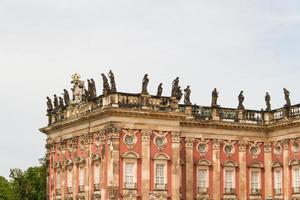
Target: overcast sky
232 45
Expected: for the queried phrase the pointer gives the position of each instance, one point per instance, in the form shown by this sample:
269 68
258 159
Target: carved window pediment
68 162
294 162
79 160
256 164
95 157
230 163
276 164
203 162
131 155
161 156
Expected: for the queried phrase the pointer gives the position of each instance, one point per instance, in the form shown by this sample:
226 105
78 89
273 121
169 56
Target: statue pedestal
215 113
144 100
174 103
241 115
268 117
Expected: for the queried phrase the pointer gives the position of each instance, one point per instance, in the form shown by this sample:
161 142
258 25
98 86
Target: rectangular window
58 180
202 178
229 179
277 179
255 180
160 174
97 174
69 177
296 178
129 174
81 176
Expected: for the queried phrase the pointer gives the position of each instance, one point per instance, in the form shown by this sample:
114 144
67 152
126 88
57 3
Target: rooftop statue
175 86
89 87
106 87
214 98
145 84
159 90
287 97
93 92
49 106
268 104
61 105
112 81
187 94
178 93
77 89
66 97
55 102
241 100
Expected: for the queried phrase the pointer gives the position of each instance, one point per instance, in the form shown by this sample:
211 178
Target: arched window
255 178
277 177
130 170
161 171
229 171
295 166
202 168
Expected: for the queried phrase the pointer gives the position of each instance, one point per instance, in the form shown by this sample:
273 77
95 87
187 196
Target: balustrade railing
96 187
255 191
278 191
129 185
202 190
159 186
229 190
228 114
253 116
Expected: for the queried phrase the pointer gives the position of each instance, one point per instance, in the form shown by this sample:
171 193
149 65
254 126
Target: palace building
139 146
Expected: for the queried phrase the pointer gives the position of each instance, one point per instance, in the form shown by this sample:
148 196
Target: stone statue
89 88
187 94
287 97
55 102
93 92
77 89
175 86
61 103
85 95
112 81
49 106
214 98
106 87
178 93
66 97
159 90
241 100
268 99
145 84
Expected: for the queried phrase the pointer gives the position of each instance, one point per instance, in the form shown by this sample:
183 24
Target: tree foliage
25 185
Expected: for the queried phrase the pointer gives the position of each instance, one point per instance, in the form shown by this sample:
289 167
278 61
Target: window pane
296 177
202 178
57 180
254 179
81 176
129 173
277 178
97 174
229 179
160 174
69 178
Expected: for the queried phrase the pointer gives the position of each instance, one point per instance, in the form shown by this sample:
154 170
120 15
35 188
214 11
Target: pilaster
268 169
286 174
216 170
175 165
189 167
243 170
146 164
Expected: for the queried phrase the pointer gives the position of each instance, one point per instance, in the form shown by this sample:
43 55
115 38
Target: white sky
232 45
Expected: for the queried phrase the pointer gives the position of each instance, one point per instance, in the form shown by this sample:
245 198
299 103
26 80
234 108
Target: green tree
6 192
30 184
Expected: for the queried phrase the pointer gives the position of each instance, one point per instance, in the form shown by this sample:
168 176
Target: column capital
243 145
189 141
216 144
267 147
175 137
146 134
285 144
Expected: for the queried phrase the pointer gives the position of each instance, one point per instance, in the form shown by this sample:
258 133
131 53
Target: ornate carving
267 147
187 94
112 81
267 100
214 98
254 150
202 146
285 144
130 138
159 90
49 106
106 88
216 144
241 100
277 149
158 195
242 145
175 137
78 89
189 142
229 148
287 98
146 135
145 84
